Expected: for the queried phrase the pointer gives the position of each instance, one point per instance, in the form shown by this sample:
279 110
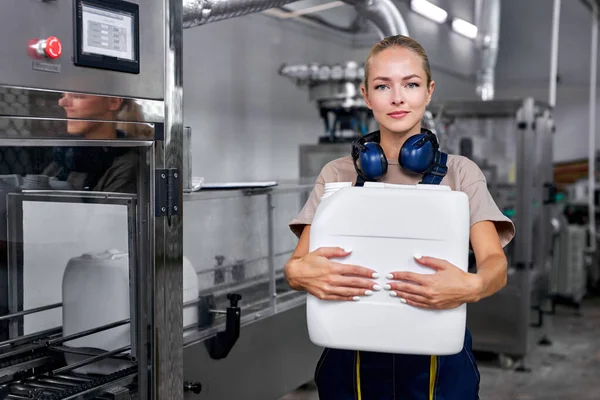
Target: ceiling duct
487 20
335 88
382 13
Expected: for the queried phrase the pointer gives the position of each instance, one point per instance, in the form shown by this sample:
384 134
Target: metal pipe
30 311
271 250
75 378
246 262
83 352
59 381
382 13
74 336
554 53
90 360
487 19
46 386
32 337
592 129
22 350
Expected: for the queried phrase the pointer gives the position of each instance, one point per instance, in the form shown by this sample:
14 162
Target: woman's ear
115 103
366 96
430 91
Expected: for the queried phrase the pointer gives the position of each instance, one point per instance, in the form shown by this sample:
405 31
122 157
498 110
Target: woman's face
397 90
88 107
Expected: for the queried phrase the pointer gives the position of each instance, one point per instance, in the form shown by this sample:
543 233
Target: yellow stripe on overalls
432 372
432 376
358 376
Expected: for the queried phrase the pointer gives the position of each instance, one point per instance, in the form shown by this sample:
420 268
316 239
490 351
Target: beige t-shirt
463 175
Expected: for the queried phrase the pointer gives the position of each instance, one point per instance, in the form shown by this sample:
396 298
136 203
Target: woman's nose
64 101
397 97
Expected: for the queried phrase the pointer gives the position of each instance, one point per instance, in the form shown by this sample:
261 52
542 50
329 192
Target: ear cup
372 161
417 154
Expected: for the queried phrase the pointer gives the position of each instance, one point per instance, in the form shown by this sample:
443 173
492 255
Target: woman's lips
398 114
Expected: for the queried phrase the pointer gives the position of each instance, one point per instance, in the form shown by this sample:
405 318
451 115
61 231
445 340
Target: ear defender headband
420 154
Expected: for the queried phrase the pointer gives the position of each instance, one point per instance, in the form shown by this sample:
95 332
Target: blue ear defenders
420 154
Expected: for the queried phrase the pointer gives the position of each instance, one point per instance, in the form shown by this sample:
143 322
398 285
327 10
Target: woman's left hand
448 287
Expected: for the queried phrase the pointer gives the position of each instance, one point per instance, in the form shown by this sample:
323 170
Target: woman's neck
103 131
391 142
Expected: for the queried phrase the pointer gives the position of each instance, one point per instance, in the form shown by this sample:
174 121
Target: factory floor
568 369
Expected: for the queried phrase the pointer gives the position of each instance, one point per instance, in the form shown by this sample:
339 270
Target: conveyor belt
35 372
98 384
68 386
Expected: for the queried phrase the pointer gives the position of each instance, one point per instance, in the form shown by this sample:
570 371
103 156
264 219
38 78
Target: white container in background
190 292
95 292
386 226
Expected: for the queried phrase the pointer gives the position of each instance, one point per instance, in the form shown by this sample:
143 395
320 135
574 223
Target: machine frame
158 287
513 321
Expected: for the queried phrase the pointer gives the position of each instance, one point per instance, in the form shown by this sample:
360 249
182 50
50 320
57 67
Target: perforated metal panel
23 103
14 102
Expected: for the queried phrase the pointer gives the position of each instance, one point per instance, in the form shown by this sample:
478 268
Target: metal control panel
110 47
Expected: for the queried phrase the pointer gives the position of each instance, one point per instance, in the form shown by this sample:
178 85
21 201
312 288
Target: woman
397 87
107 169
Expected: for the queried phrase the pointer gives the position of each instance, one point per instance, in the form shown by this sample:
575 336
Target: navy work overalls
361 375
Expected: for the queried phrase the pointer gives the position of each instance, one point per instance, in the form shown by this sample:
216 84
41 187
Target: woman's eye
412 85
380 87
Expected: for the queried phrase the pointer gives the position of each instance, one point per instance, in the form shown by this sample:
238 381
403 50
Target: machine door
76 262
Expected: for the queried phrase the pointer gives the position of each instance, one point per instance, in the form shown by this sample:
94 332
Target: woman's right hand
329 280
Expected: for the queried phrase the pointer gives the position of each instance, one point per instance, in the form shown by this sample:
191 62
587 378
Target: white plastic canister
96 292
386 226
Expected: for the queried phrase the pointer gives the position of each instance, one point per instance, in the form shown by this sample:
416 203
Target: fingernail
387 287
418 256
389 276
348 250
393 294
376 288
375 275
368 293
402 300
356 298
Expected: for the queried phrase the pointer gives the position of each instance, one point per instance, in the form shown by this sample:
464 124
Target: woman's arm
328 280
491 262
449 286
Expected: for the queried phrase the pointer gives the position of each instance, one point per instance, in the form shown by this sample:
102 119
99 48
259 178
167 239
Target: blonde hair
400 41
131 111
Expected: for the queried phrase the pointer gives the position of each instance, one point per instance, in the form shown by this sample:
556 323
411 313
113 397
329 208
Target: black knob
234 298
220 260
195 387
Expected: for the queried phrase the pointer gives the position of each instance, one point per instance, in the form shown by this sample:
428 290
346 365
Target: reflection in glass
18 102
90 107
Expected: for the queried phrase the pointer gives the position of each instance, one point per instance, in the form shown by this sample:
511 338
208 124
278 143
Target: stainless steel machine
90 147
515 137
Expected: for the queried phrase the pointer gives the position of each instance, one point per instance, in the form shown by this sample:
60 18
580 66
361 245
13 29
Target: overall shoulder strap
437 173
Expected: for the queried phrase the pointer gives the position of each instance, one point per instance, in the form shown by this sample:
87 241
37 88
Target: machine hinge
167 192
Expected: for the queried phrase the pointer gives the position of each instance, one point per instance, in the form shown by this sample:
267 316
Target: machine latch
167 192
220 345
